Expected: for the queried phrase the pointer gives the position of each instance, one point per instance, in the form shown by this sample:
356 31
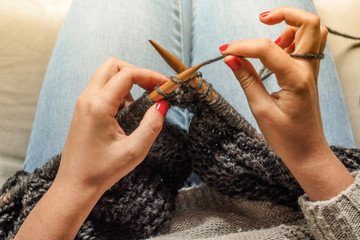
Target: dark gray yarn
332 31
221 147
264 73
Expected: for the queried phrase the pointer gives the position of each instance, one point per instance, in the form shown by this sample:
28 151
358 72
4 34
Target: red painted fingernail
164 81
234 64
223 47
264 14
278 40
162 107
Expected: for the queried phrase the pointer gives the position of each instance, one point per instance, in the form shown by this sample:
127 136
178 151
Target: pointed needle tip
188 73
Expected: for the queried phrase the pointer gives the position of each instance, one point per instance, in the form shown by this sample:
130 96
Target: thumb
150 126
249 80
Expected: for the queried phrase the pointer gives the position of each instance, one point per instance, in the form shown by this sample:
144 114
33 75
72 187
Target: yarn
221 147
332 31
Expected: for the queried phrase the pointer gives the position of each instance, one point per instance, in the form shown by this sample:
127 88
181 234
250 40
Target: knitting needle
170 59
170 86
5 199
178 67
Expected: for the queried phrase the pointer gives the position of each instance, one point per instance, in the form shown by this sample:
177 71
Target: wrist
68 188
321 174
60 212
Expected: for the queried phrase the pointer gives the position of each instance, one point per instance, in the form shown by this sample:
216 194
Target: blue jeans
191 30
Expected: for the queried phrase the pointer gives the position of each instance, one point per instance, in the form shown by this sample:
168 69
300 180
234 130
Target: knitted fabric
203 213
221 147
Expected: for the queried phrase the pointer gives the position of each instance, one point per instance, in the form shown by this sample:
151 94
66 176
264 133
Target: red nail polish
164 81
278 40
223 47
162 107
264 14
234 64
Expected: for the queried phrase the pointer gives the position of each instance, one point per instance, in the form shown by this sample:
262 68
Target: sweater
203 213
227 153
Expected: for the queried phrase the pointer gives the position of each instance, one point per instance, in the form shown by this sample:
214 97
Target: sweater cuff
337 218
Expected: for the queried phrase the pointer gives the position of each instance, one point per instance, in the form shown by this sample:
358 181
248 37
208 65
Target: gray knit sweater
202 213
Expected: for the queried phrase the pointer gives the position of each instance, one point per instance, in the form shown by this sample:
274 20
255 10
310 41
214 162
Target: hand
290 119
97 153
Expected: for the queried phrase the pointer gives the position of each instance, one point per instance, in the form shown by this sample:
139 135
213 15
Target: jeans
191 30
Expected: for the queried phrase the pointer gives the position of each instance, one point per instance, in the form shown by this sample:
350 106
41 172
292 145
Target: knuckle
153 125
81 101
324 31
313 20
128 71
111 60
303 83
89 106
261 110
247 80
266 44
132 152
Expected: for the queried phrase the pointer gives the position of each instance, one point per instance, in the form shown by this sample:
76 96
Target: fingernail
264 14
234 64
223 47
162 107
278 40
164 80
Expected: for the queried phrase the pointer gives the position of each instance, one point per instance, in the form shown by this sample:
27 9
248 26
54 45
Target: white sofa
28 31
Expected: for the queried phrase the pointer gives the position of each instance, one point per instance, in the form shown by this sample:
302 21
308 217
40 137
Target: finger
324 33
308 24
125 102
121 83
150 126
271 55
250 81
106 71
286 37
291 48
129 98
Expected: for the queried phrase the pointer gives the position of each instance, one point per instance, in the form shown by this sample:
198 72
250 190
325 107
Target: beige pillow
28 31
343 16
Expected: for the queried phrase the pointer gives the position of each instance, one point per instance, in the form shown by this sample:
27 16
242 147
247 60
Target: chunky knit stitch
221 147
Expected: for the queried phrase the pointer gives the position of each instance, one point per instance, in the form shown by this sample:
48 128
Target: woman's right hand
290 119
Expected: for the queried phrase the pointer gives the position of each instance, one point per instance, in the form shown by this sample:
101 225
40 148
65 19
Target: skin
95 135
289 119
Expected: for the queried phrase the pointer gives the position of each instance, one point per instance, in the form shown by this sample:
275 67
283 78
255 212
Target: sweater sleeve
337 218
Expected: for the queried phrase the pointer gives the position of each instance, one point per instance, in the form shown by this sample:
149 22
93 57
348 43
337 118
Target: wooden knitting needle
170 86
170 59
178 67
